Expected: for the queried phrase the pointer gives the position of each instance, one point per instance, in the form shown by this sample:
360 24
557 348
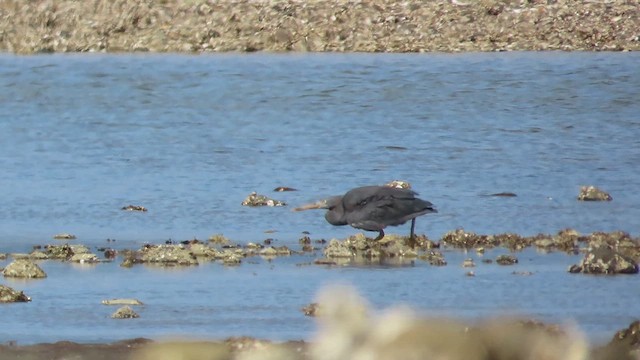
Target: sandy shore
294 25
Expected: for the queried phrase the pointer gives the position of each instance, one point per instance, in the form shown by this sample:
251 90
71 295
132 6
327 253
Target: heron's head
327 204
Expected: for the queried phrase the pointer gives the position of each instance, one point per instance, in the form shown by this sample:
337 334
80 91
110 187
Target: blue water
189 137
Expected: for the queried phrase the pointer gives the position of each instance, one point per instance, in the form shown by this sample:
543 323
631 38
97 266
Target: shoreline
318 26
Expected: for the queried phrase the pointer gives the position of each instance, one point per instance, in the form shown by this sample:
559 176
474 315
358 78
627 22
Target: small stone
522 273
125 312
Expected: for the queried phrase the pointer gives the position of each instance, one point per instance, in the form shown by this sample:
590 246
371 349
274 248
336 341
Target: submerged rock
9 295
434 258
125 312
504 194
23 268
592 193
255 199
122 302
605 260
64 236
284 188
134 208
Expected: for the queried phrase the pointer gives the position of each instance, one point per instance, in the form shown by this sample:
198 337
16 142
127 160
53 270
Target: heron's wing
385 207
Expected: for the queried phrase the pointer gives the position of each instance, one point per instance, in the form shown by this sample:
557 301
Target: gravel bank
295 25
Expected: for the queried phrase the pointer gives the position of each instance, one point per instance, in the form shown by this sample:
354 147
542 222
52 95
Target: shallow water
189 137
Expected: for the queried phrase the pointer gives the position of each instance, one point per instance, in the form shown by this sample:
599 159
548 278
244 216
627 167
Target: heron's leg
380 236
412 237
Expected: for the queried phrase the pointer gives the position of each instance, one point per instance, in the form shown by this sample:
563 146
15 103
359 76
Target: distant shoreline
198 26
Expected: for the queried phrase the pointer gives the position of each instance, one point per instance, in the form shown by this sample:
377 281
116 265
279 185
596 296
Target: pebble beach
318 26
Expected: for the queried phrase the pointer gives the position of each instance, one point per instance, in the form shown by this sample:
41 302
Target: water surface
189 137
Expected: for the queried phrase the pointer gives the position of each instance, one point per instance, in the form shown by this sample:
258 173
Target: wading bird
373 208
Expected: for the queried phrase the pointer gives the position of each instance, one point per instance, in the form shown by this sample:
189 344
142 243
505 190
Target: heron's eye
362 203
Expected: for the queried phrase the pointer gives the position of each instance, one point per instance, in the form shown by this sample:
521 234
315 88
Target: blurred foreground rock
348 330
317 26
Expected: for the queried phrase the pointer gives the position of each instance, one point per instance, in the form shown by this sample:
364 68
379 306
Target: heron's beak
322 204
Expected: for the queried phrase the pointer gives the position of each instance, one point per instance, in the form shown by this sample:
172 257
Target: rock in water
604 260
23 268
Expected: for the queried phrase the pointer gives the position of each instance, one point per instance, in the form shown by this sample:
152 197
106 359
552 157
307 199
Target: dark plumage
373 208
